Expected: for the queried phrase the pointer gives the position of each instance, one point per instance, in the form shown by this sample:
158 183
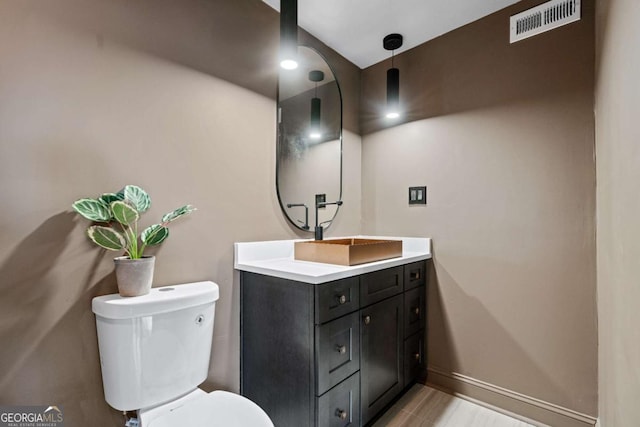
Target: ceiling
355 28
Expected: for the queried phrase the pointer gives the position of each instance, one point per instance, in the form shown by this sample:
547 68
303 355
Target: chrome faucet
306 213
319 228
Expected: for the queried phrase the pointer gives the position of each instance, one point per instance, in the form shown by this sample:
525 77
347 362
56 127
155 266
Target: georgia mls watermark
31 416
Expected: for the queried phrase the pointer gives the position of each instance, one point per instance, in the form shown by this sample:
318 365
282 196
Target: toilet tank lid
159 300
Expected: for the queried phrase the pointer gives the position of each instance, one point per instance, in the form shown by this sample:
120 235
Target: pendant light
314 121
393 42
289 34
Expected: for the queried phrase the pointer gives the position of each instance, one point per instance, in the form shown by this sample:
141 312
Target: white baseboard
517 405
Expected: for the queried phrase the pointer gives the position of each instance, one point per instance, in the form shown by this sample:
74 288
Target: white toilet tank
156 347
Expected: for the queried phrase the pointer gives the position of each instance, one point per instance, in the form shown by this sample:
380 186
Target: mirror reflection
309 145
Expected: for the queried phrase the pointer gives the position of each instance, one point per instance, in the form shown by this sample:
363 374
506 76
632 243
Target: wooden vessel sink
351 251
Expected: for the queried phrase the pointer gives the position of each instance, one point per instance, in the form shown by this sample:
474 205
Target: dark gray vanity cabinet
333 354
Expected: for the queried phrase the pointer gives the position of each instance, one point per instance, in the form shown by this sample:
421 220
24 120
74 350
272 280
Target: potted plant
118 214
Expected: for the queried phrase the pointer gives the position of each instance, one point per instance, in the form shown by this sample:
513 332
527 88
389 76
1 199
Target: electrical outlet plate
418 195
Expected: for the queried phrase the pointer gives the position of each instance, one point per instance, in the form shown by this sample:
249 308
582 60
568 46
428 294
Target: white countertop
275 258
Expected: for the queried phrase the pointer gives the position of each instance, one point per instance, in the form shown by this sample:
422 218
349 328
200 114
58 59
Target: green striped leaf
138 198
106 237
154 234
92 210
172 216
123 213
108 198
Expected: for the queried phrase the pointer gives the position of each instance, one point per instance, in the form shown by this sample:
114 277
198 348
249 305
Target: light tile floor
424 406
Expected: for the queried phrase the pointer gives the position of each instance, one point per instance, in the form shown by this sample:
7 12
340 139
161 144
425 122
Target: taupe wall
618 160
503 136
93 96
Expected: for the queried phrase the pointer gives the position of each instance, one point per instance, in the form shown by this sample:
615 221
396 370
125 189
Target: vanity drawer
335 299
414 310
414 275
413 357
381 284
338 351
340 406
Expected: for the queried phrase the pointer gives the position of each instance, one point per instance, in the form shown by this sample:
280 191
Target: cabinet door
414 310
381 284
381 368
335 299
338 351
340 406
414 275
413 357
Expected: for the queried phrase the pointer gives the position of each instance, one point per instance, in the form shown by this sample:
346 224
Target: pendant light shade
315 118
315 130
393 42
289 34
393 93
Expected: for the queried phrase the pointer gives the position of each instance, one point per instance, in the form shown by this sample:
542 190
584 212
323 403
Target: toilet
154 353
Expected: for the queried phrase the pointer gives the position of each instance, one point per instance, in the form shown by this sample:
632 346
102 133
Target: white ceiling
355 28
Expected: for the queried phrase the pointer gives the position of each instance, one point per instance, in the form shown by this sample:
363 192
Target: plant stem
134 244
135 233
127 238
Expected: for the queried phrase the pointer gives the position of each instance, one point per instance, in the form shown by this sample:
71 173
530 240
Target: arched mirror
309 144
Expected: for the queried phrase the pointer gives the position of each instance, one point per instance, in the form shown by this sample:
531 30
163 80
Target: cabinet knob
341 414
417 311
342 299
417 357
342 349
367 320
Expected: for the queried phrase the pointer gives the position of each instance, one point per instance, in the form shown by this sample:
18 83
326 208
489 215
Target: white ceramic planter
134 276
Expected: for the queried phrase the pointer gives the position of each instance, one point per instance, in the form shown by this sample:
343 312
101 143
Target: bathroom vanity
329 345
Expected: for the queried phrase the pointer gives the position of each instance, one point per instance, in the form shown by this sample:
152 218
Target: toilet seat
215 409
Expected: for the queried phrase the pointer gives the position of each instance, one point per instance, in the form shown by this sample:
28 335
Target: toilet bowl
154 352
200 409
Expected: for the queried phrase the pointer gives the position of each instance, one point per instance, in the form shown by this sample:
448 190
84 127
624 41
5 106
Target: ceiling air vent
544 17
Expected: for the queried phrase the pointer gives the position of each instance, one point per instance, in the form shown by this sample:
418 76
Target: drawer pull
341 414
342 349
342 299
367 320
417 357
417 311
414 275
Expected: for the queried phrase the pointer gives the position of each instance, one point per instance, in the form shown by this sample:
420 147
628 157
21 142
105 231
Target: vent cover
544 17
